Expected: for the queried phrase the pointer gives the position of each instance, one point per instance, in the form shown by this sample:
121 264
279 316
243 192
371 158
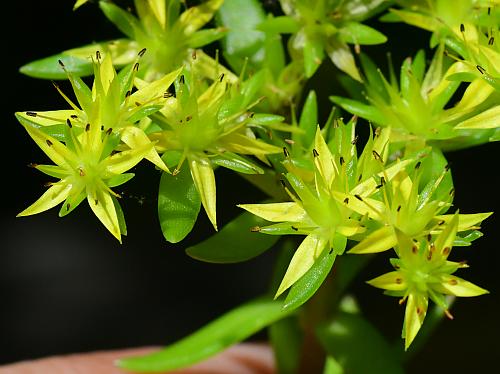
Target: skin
245 358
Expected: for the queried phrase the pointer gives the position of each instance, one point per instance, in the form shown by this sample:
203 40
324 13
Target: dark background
67 286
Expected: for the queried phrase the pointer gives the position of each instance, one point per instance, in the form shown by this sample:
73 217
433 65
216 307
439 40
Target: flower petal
378 241
452 285
308 251
122 161
102 205
56 194
135 137
416 309
204 179
392 281
277 212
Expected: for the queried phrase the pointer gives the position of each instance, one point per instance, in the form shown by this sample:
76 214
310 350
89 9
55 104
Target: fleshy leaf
235 242
230 328
349 337
178 205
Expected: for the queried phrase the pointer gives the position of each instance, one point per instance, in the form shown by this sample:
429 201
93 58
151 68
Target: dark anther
31 114
251 115
418 164
87 127
382 180
109 131
462 27
315 153
355 140
376 155
399 280
399 208
346 200
414 249
137 103
49 143
294 228
285 152
221 77
167 94
81 172
102 127
128 93
452 191
330 251
96 201
68 122
255 229
489 10
429 237
453 282
189 118
61 63
446 250
136 67
491 41
181 79
98 55
358 197
480 69
341 160
360 177
429 256
282 182
141 52
442 222
68 205
32 165
193 54
74 116
447 167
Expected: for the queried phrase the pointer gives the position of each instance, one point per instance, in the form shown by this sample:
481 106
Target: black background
67 286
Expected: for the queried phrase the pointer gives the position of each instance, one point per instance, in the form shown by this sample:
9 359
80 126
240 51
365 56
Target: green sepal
119 179
232 327
349 337
178 205
465 239
309 283
237 163
234 242
121 216
123 20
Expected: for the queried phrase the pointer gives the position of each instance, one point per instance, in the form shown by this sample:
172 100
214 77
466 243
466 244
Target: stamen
87 127
255 229
31 114
285 152
315 153
68 122
49 143
141 52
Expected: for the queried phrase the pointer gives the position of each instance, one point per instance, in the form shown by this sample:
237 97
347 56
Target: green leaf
362 110
357 33
280 25
286 340
243 40
178 205
306 286
122 19
230 328
309 119
234 242
351 337
49 68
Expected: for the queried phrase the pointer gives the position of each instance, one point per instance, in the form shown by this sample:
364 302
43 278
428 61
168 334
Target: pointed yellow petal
277 212
365 205
466 221
392 281
447 236
158 7
323 159
370 185
452 285
242 144
308 251
135 137
489 119
52 147
154 90
196 17
102 205
416 309
378 241
122 161
350 228
108 72
55 195
204 179
47 118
